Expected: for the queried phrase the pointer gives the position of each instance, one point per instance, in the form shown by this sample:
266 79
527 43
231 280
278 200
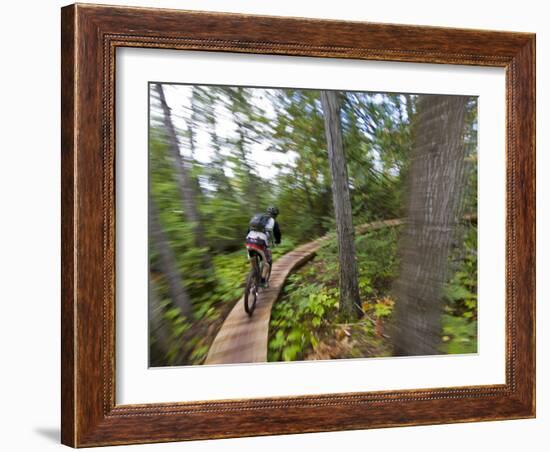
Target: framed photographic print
281 225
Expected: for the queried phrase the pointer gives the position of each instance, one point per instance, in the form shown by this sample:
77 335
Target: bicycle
256 255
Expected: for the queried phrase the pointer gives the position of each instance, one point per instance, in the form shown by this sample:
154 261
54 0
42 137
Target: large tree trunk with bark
350 302
436 186
167 262
184 180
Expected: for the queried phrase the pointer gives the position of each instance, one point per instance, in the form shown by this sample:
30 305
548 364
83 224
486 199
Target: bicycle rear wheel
268 275
252 287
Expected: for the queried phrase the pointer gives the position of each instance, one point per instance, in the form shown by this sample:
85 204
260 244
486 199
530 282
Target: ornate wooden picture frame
90 37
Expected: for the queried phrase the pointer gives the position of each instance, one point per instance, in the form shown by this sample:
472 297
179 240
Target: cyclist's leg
267 265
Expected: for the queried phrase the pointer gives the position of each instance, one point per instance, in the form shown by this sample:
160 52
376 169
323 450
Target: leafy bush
459 335
296 320
460 319
308 310
461 291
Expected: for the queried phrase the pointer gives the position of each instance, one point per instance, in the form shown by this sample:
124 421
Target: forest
335 163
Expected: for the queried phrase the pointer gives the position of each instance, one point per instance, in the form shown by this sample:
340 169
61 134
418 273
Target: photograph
291 224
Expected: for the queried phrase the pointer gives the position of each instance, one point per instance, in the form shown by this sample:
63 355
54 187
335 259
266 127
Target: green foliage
460 320
459 335
376 253
377 165
382 310
461 291
296 320
308 309
178 325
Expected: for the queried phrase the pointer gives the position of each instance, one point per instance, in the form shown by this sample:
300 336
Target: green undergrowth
305 323
191 338
460 311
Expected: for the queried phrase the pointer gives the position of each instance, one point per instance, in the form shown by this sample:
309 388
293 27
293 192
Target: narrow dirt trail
243 339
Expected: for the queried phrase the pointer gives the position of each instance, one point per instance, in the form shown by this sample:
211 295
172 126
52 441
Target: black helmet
273 211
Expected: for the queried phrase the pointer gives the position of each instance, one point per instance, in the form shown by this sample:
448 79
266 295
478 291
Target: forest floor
243 339
306 324
328 336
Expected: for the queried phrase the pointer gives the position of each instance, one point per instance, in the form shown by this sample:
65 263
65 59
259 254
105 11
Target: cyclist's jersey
265 236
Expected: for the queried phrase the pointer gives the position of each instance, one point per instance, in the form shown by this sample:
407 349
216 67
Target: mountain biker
263 231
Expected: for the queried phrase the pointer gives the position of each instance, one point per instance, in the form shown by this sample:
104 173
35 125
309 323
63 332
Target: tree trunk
350 302
158 328
436 185
167 262
183 179
250 182
409 104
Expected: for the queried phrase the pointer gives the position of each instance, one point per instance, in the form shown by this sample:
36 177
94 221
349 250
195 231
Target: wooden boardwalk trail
243 339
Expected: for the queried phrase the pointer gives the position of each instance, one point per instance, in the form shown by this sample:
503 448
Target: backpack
259 222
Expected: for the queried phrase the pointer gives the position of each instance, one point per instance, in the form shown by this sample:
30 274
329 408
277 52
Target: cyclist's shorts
256 241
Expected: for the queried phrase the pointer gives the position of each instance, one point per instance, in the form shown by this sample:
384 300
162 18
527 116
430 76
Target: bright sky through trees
179 100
